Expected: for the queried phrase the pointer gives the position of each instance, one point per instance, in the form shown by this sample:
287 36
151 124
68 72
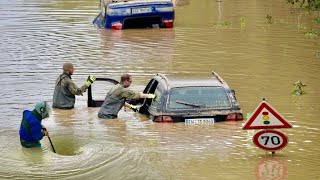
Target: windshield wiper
188 104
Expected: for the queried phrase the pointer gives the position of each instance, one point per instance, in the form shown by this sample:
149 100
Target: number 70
275 140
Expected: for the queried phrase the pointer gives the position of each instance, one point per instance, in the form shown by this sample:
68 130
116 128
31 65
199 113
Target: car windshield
198 97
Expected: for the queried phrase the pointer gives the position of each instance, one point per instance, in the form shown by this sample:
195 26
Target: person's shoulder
26 112
119 87
66 79
29 116
130 91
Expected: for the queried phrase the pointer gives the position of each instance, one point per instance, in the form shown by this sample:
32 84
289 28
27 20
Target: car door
157 104
150 89
105 87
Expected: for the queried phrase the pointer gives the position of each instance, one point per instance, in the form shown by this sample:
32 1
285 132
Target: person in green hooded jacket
31 130
65 89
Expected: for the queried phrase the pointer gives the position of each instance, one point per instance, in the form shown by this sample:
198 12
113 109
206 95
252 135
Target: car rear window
198 97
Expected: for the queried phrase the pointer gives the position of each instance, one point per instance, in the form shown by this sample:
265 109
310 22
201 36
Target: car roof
173 82
194 82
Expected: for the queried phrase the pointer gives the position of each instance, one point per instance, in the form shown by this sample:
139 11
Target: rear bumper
218 118
182 116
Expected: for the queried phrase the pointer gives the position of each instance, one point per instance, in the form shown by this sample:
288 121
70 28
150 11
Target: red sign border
262 105
256 139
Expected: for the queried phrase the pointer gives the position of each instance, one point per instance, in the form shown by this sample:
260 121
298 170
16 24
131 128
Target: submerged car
123 14
190 101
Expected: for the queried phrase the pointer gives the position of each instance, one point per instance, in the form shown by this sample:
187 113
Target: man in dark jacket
65 89
117 96
31 130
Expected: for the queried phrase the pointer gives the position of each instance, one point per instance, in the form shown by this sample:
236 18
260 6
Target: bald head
68 68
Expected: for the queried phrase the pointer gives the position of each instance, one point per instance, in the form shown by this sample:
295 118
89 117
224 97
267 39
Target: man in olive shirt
65 89
117 96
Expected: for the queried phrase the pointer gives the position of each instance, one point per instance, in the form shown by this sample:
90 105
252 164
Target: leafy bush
309 4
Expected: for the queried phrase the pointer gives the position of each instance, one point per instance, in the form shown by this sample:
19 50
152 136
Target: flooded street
259 48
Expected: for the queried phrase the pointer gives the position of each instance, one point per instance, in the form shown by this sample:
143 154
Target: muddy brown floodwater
259 57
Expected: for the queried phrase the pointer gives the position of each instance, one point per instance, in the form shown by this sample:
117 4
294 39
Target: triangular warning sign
266 117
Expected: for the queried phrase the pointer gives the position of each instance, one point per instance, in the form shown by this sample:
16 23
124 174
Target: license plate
141 10
200 121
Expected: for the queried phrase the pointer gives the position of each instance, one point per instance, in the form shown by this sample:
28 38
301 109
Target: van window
198 97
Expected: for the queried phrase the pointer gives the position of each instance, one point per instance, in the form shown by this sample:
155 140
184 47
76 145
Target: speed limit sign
270 140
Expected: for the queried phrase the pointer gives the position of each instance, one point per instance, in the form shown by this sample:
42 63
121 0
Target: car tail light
163 118
234 117
168 23
116 26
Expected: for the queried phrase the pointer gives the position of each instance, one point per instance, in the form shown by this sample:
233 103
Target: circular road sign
270 140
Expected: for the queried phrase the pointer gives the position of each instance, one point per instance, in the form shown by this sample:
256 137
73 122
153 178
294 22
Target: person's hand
151 96
46 133
91 79
134 108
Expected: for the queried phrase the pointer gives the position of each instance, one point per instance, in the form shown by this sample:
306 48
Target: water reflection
271 168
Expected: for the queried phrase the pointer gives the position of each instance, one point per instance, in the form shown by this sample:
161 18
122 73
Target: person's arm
133 107
150 96
73 88
36 131
127 105
129 94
